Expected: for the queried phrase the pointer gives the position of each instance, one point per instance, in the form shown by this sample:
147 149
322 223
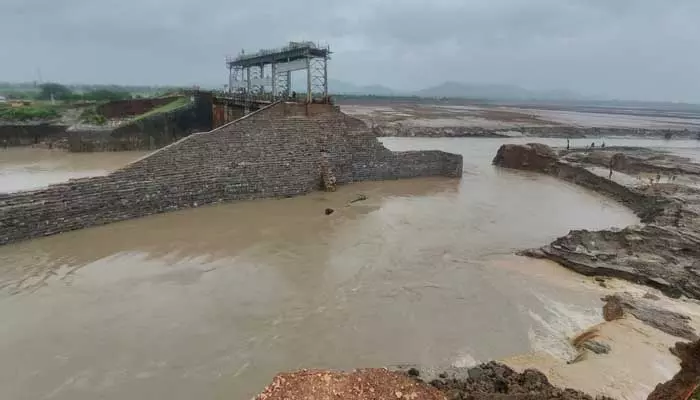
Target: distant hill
340 87
494 92
454 89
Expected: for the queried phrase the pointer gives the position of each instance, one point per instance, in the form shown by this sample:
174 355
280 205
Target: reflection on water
210 303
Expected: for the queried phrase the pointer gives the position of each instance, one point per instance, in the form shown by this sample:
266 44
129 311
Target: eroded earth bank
657 309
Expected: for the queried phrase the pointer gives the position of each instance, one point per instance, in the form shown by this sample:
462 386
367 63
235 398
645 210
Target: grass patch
173 105
28 113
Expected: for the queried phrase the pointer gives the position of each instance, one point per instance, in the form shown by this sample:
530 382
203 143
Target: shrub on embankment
92 117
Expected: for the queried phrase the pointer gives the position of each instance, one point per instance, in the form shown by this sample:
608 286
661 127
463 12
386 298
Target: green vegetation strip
173 105
28 113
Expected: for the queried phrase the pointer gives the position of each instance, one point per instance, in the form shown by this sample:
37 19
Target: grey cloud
645 49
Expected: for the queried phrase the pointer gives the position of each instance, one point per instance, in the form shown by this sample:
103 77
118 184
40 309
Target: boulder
532 157
612 309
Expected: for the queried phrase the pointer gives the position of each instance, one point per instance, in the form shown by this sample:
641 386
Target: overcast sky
631 49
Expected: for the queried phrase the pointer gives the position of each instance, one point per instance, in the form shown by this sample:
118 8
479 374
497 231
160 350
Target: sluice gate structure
268 73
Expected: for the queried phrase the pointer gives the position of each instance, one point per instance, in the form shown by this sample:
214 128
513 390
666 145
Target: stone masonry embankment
274 152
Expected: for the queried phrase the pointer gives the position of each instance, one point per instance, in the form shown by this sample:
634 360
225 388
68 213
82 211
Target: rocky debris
329 211
671 322
491 381
682 385
634 160
664 253
663 257
364 384
497 381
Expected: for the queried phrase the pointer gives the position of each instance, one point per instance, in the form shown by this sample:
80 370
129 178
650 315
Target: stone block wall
30 134
274 152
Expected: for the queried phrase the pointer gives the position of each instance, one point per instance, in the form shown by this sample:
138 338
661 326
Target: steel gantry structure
268 73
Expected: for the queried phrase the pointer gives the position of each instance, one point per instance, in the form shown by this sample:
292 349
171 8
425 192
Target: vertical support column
262 75
274 81
230 79
325 78
308 80
289 84
249 87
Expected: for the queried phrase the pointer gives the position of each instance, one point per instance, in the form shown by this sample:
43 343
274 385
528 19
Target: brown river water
211 303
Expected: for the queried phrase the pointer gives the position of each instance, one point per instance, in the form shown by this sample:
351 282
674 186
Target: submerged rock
360 197
596 347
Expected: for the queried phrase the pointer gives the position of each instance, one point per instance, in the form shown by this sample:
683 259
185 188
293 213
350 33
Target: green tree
106 95
59 92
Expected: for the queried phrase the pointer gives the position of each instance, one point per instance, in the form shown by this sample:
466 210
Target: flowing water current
210 303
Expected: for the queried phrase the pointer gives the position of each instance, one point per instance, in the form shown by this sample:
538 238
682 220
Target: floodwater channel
210 303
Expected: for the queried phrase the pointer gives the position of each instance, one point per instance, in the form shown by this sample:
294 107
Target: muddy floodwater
211 303
29 168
